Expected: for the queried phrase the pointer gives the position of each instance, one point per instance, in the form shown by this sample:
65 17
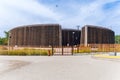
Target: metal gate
63 50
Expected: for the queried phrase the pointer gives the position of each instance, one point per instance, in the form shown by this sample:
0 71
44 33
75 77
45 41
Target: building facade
36 35
70 37
44 35
96 35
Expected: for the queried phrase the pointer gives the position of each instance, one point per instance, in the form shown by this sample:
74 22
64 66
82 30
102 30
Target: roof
97 27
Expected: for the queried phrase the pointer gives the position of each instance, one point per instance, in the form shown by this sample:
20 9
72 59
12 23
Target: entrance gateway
67 50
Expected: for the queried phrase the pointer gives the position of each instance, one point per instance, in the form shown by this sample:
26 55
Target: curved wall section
36 35
96 35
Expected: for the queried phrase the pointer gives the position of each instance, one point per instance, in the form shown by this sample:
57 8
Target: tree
1 41
117 39
4 40
6 34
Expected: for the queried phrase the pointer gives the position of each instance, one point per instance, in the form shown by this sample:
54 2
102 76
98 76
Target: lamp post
78 27
52 43
9 37
77 38
72 41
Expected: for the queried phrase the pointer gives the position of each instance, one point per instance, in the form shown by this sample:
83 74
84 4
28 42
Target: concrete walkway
58 68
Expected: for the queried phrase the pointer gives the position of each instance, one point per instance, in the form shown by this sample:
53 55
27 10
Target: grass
82 51
106 56
25 52
33 51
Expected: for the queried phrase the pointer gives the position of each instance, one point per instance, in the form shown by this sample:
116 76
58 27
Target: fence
63 50
103 47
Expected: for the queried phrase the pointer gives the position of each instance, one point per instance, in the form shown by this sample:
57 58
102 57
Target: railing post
62 50
52 50
77 49
72 49
48 52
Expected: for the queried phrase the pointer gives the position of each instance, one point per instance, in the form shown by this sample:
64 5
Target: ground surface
58 68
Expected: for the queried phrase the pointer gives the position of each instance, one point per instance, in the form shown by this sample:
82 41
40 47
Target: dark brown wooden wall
98 35
36 35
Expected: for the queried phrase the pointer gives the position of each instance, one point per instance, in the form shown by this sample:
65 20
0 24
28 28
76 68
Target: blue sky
68 13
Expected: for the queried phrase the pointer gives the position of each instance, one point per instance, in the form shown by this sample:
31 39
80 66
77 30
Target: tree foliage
4 40
6 34
117 39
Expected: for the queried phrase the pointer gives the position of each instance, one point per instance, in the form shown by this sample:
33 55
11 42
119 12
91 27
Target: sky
67 13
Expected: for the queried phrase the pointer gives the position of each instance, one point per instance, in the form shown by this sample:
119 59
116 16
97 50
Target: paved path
58 68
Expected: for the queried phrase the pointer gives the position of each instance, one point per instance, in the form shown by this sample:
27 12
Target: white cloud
69 14
31 6
94 13
20 12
